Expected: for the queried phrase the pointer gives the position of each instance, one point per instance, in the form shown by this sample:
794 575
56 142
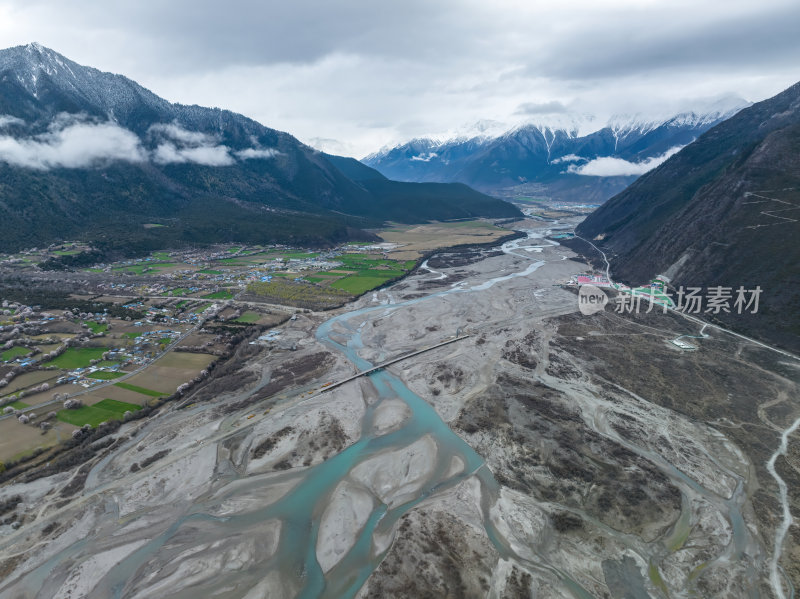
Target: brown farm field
196 339
172 370
36 399
18 439
112 299
185 360
104 342
48 347
31 378
116 393
414 240
50 335
157 379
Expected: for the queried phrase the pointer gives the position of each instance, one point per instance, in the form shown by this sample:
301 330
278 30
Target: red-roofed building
596 280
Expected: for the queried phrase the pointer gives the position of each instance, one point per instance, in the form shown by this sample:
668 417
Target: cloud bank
360 74
251 153
568 158
607 166
74 143
169 153
425 157
536 108
179 146
184 136
6 120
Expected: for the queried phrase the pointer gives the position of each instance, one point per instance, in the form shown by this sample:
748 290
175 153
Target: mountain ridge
724 211
81 147
551 159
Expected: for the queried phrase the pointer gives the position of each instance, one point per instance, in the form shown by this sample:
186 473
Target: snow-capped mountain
94 155
567 158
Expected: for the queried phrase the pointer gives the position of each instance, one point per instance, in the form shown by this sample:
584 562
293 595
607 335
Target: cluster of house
592 279
291 265
659 284
80 376
161 315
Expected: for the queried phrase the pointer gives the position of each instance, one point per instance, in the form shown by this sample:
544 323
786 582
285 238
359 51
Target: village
219 272
63 372
107 341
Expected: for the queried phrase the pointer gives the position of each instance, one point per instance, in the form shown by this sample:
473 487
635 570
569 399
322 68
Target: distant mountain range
92 155
724 211
559 160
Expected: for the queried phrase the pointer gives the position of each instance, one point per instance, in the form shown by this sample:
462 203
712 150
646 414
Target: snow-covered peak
562 135
565 125
33 59
481 129
418 145
623 124
28 64
700 113
36 68
571 124
478 132
716 109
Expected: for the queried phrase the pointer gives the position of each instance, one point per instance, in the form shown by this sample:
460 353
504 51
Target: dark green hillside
414 202
267 186
723 211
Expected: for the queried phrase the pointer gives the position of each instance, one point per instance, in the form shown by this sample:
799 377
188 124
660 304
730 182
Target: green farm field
141 390
358 284
77 357
222 294
249 317
105 375
102 411
96 327
14 352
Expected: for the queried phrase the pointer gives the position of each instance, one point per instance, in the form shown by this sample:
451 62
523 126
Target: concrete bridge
390 362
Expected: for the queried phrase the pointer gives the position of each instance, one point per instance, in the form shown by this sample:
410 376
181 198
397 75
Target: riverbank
531 458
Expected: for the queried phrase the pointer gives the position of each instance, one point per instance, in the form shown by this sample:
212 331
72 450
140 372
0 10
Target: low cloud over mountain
72 145
561 155
77 142
608 166
95 156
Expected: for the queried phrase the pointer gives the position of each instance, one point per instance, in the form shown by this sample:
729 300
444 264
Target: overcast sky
350 76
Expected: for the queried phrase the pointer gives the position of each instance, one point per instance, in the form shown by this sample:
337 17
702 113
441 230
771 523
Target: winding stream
786 521
300 510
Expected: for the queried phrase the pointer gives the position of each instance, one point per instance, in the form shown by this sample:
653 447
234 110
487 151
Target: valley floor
546 454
